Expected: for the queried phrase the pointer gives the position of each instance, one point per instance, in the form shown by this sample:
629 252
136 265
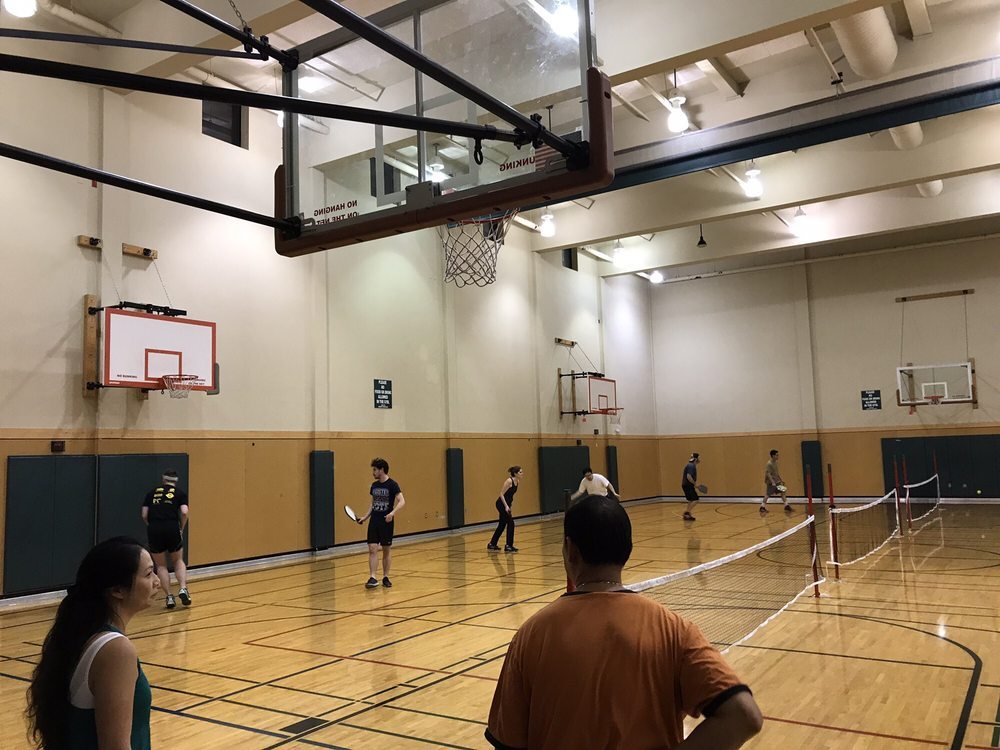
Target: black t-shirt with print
164 504
383 496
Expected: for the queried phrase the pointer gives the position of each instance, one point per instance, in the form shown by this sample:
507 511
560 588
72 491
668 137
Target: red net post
895 479
909 512
833 524
814 548
934 461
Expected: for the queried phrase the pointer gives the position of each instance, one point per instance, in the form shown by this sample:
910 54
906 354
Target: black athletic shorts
164 537
380 531
690 492
772 490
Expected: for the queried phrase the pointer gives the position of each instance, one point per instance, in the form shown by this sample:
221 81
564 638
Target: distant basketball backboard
140 348
947 384
353 181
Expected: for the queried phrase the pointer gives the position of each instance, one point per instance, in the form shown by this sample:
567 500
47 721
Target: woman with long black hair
88 691
504 502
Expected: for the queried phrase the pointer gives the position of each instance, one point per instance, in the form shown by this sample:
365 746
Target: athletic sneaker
492 548
763 510
788 509
185 597
371 584
510 548
170 601
688 516
386 582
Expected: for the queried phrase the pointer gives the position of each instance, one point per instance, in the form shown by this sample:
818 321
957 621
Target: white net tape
471 248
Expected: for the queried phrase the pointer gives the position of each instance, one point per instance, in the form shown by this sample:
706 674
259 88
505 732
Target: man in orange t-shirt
604 667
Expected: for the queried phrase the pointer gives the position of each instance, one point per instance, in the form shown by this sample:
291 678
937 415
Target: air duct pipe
868 42
78 20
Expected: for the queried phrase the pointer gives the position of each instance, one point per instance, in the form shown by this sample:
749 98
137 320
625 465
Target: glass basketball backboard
946 384
532 55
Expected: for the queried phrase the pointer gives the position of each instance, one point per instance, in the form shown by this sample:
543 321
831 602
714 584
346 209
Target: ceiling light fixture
656 277
701 237
752 186
564 20
547 227
618 256
801 223
313 83
677 120
20 8
436 171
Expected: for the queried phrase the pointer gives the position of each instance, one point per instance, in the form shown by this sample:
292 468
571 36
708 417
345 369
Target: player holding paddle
691 490
774 485
387 499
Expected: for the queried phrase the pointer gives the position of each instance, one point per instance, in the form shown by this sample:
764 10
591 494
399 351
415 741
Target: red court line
375 661
862 731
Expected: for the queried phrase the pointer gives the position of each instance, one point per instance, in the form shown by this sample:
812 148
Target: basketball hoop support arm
154 85
158 309
103 41
244 36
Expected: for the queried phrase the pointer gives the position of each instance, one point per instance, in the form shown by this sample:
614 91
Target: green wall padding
321 499
49 520
454 470
560 469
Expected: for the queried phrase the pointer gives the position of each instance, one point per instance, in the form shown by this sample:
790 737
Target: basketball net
471 248
179 385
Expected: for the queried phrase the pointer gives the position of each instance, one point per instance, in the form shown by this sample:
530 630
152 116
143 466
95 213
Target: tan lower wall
250 493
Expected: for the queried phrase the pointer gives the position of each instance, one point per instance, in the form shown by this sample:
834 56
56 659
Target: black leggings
506 522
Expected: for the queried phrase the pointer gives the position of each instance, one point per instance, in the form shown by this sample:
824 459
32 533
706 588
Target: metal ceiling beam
720 76
629 105
920 19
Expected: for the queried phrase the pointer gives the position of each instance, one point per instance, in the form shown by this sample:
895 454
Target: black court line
965 717
436 743
436 715
852 656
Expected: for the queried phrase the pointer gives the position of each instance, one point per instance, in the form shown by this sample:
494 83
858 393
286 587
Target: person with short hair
504 503
595 484
387 500
165 513
604 667
88 690
689 485
774 485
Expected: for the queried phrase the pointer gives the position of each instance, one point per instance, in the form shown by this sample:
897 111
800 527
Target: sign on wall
871 400
383 394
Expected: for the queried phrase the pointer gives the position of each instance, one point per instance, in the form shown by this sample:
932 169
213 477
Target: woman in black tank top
504 502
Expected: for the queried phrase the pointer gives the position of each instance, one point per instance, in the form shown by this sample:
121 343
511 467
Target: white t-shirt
596 485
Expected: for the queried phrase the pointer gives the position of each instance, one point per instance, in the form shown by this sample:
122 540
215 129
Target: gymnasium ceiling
860 193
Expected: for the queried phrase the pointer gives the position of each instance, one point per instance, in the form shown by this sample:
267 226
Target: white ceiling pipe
930 189
868 42
78 20
907 136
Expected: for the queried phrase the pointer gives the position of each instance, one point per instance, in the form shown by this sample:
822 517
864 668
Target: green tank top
82 726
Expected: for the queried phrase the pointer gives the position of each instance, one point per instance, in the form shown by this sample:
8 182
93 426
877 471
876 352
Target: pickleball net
731 598
857 532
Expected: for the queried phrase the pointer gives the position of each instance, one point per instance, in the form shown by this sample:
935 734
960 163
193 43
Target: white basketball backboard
948 384
140 348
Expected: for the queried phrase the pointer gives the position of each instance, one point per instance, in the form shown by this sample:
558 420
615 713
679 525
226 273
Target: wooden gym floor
904 653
